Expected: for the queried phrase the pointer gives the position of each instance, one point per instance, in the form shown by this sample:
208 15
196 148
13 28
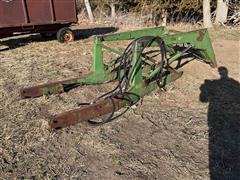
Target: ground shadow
223 96
86 33
16 42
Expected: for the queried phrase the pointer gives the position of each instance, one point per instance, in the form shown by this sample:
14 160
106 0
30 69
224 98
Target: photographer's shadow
223 96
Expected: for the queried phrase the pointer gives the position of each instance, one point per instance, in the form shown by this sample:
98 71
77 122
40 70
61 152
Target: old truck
47 17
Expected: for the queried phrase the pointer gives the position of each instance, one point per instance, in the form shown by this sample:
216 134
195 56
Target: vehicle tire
65 35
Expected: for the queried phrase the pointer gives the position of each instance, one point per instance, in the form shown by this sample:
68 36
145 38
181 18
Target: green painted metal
159 31
198 40
139 91
142 75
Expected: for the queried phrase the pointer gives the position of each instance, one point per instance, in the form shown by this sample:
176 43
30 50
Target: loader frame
144 76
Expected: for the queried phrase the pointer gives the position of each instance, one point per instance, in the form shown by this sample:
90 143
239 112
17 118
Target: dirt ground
169 136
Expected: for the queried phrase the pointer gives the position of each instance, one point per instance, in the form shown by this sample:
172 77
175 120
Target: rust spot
85 113
53 87
201 36
174 31
214 65
37 91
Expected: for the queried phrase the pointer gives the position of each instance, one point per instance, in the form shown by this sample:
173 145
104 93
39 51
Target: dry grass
166 137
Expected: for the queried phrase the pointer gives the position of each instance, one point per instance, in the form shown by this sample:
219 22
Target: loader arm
136 69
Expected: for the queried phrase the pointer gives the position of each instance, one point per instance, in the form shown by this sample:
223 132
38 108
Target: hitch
152 60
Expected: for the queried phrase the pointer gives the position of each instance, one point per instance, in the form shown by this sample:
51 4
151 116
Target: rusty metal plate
12 13
37 91
65 11
20 13
86 113
39 11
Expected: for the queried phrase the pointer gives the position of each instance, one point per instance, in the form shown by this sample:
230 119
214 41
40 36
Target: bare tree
207 14
113 10
89 10
222 11
112 4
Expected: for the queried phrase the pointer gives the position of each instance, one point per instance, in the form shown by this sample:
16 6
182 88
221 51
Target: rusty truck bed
35 15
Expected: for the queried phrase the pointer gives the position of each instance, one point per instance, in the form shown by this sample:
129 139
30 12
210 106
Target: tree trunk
113 10
89 10
222 11
164 18
207 14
